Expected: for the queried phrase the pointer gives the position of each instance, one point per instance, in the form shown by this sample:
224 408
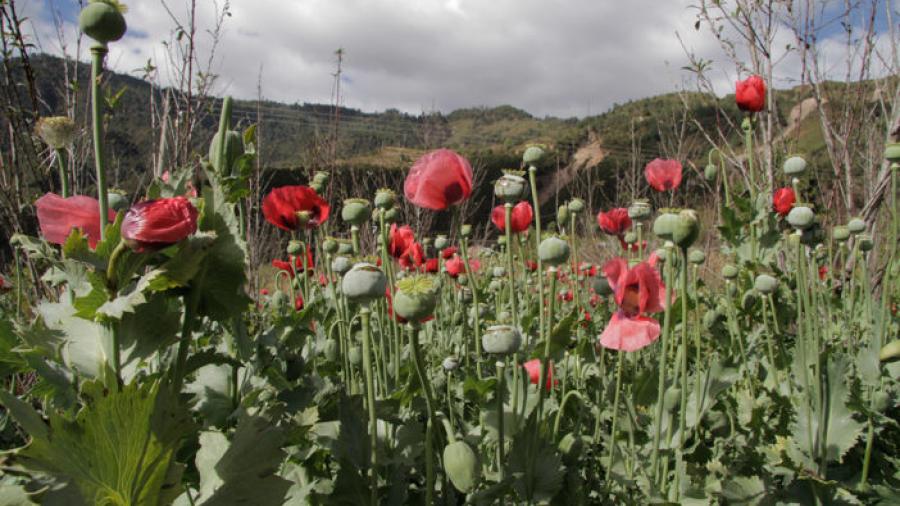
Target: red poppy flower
264 292
663 174
823 272
455 266
531 264
154 224
615 221
5 285
565 295
633 246
448 252
637 291
285 265
431 265
750 94
399 240
281 205
413 257
783 201
58 216
519 219
322 280
586 269
533 368
438 180
594 300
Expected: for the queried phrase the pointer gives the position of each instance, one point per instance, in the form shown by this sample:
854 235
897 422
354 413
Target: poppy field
381 364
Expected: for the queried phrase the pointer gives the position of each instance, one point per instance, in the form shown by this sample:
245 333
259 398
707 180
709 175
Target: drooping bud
711 172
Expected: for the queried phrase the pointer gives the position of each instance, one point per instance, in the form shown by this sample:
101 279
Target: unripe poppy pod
553 251
794 165
501 340
801 217
462 466
509 187
532 155
765 284
102 21
356 211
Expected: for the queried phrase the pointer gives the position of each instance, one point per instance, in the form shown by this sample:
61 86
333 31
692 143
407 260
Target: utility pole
336 105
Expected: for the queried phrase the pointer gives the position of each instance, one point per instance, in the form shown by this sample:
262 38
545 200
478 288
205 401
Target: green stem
536 203
63 173
661 383
429 405
562 409
510 272
682 425
365 315
501 389
476 318
615 415
98 54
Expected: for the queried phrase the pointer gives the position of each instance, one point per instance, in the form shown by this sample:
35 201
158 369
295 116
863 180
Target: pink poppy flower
663 174
438 180
533 368
58 216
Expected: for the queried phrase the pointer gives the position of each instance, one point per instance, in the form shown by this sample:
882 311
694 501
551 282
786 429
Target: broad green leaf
744 490
118 449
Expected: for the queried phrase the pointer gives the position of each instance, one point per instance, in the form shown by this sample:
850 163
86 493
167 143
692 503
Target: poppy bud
856 226
356 211
355 356
462 466
154 224
330 245
576 205
711 172
801 217
441 242
450 363
117 200
57 131
570 447
765 284
234 148
363 283
330 350
501 340
553 251
102 21
671 398
865 242
639 209
294 248
794 165
562 215
509 188
532 155
415 298
321 177
710 318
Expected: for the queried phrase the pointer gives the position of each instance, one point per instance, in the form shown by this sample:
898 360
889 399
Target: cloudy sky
550 57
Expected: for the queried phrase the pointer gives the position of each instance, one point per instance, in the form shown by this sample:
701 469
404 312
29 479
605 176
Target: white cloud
550 57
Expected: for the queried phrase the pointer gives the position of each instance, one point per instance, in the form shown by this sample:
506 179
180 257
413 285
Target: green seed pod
672 399
750 299
364 283
356 211
330 245
385 198
118 201
840 233
570 447
576 205
532 155
562 215
686 229
330 350
801 217
711 172
441 242
462 466
416 297
664 225
355 356
639 210
630 237
880 401
501 340
892 152
234 148
890 351
495 285
601 286
465 230
341 265
321 177
729 271
553 251
856 225
294 247
509 187
865 242
696 256
345 247
794 165
102 22
57 131
391 215
765 284
498 271
450 363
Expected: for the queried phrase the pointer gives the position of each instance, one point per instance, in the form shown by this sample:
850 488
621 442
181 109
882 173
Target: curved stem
98 54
